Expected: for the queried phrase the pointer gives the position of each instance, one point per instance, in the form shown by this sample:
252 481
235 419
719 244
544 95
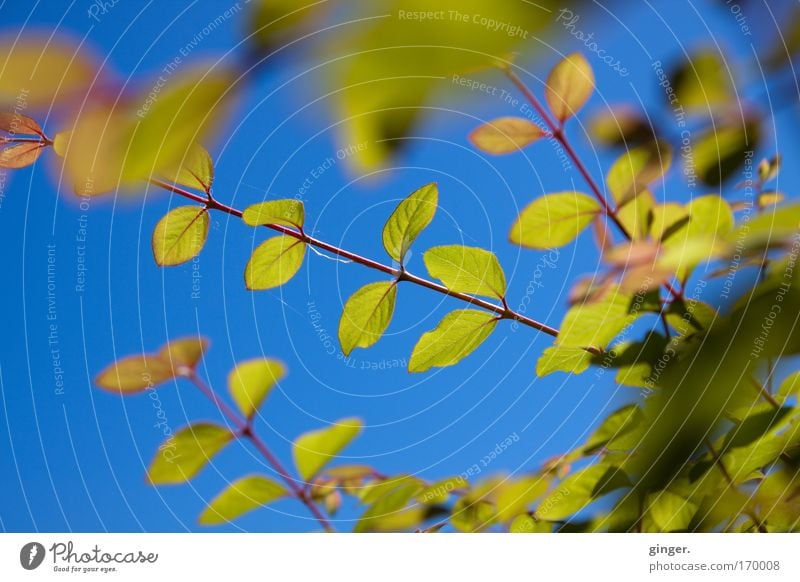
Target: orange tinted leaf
135 374
20 155
14 123
569 86
184 352
505 135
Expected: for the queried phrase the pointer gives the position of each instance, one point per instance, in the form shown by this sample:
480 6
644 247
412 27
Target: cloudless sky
76 461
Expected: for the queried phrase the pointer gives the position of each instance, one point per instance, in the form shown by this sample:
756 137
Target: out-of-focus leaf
505 135
635 216
554 220
16 124
43 71
184 354
182 457
313 450
457 336
467 270
560 359
690 316
15 156
789 387
288 212
196 170
439 492
381 513
620 126
710 215
180 235
636 169
526 524
615 430
408 220
366 315
514 496
274 263
135 374
241 497
251 382
569 86
671 512
723 149
666 220
579 489
702 82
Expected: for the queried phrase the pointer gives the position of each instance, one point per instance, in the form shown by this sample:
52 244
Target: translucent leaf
569 86
690 316
45 70
596 324
135 374
196 170
313 450
251 382
554 220
560 359
526 524
467 270
408 220
514 496
382 513
636 169
635 216
671 512
472 515
710 215
15 156
440 491
16 124
274 263
180 235
456 337
182 457
366 315
184 354
287 212
615 430
505 135
789 387
667 219
241 497
579 489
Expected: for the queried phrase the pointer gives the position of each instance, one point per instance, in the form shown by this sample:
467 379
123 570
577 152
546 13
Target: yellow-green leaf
241 497
180 235
505 135
636 169
561 359
274 263
184 354
513 497
467 270
635 216
251 382
366 315
196 170
287 212
580 489
135 374
671 512
408 220
710 215
569 86
526 524
457 336
313 450
788 388
554 220
596 324
183 456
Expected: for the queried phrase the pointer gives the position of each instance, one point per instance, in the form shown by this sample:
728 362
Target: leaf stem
246 430
399 274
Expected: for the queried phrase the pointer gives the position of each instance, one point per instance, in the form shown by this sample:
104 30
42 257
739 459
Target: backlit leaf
182 457
274 263
596 324
251 382
505 135
514 496
287 212
722 150
180 235
241 497
16 156
561 359
569 86
457 336
196 170
366 315
16 124
671 512
554 220
579 489
184 354
636 169
381 513
467 270
526 524
408 220
635 216
313 450
789 387
135 374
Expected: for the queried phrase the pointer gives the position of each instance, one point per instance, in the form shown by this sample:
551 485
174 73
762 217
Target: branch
246 430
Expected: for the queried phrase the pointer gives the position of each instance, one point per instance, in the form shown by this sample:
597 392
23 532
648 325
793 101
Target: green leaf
380 515
579 489
526 524
667 219
702 82
467 270
251 382
408 220
505 135
241 497
635 216
457 336
439 492
788 388
671 512
366 315
514 496
287 212
596 324
616 430
710 215
569 86
182 457
180 235
560 359
196 170
722 150
274 263
313 450
135 374
636 169
554 220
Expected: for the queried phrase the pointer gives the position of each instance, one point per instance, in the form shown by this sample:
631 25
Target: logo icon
31 555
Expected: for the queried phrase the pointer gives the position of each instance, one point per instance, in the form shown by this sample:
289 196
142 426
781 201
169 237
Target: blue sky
76 461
